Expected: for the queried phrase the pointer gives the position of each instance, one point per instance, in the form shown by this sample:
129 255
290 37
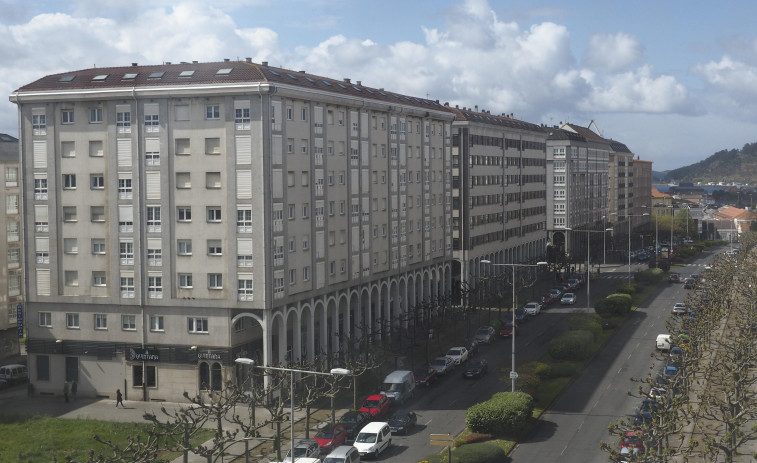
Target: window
11 176
70 246
213 214
292 276
154 287
147 377
14 258
126 253
45 319
212 146
154 256
244 287
123 121
152 122
127 287
95 115
306 274
197 325
184 247
215 281
183 180
128 322
98 246
212 111
212 180
244 220
214 248
11 204
72 320
43 368
96 181
153 219
69 181
12 231
124 188
182 147
101 321
69 214
290 210
39 124
67 116
156 323
97 213
40 188
242 118
98 279
184 214
305 210
185 280
67 149
304 113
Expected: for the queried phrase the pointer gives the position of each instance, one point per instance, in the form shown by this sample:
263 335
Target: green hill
727 166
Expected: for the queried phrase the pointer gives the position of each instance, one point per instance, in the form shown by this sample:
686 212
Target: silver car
485 334
442 365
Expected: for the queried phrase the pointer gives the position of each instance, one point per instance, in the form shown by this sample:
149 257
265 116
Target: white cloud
731 75
613 52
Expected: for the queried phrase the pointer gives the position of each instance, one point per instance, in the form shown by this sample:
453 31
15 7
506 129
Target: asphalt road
441 407
572 429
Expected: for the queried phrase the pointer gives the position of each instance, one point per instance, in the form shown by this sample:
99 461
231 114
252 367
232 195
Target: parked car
633 440
373 439
556 292
459 355
663 342
676 356
472 347
647 410
532 308
568 299
476 369
354 420
674 278
377 405
13 374
679 308
402 422
508 328
485 334
442 365
689 283
670 371
574 284
425 376
547 299
520 315
658 393
330 437
306 448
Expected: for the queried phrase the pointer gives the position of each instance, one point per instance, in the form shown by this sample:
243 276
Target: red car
377 405
330 437
632 441
547 299
507 329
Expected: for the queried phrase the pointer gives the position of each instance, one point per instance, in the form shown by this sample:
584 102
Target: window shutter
42 244
244 149
244 184
154 243
244 246
43 282
40 213
40 154
124 152
126 213
152 145
152 180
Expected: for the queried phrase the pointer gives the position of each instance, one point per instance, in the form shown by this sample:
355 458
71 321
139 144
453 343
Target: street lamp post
292 371
588 263
513 373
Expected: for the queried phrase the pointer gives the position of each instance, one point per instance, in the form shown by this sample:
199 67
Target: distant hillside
728 166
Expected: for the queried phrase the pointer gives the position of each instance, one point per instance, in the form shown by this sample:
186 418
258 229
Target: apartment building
11 290
499 191
179 216
642 188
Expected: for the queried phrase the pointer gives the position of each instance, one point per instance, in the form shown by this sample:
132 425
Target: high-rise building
181 215
11 268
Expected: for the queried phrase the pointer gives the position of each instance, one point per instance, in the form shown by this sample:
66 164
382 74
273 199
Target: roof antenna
596 127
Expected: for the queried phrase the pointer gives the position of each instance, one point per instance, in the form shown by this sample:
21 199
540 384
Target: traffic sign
513 375
444 440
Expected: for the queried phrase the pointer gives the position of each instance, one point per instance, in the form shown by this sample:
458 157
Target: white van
343 454
663 341
373 439
399 386
13 374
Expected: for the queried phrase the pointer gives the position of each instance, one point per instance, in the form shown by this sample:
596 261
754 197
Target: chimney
134 64
167 62
226 60
476 108
264 63
347 80
248 60
194 62
359 83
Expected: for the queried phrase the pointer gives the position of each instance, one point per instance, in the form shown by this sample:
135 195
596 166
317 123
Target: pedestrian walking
119 398
74 388
65 390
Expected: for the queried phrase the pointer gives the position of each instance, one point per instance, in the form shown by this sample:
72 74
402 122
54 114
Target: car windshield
325 433
399 419
483 331
366 437
454 352
371 404
391 387
348 419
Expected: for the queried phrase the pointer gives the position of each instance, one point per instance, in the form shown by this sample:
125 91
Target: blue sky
675 81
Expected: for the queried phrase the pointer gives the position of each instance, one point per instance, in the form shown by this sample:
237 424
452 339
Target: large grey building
11 268
181 215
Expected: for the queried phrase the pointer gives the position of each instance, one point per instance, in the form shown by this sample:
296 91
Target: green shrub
649 276
626 288
539 369
589 322
614 304
482 452
564 369
472 438
572 345
504 413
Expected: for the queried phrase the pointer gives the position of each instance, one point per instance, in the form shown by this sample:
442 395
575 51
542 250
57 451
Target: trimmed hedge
564 369
505 413
481 452
572 345
614 304
626 288
589 322
649 276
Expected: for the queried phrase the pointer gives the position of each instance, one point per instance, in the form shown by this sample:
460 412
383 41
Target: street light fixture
588 263
513 373
292 371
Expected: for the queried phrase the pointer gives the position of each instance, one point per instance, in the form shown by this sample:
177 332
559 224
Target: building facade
182 215
499 191
11 288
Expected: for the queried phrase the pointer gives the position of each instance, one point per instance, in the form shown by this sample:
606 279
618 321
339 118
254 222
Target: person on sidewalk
65 390
119 398
74 388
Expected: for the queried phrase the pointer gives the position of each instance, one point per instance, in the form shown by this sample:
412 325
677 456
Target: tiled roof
4 137
657 194
466 114
224 72
562 134
731 213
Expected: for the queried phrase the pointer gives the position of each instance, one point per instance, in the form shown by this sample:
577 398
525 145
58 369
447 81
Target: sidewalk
15 401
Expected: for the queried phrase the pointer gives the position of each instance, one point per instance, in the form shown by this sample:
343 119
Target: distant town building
11 288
